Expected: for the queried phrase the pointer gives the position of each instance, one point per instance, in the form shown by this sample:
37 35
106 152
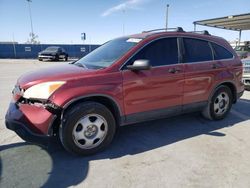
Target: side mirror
140 64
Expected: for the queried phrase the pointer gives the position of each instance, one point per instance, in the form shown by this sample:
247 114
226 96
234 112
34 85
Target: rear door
200 72
156 92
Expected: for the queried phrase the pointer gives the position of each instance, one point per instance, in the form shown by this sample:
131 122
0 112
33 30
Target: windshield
52 49
108 53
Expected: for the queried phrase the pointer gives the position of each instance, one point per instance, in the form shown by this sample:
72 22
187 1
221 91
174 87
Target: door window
63 50
160 52
196 50
221 53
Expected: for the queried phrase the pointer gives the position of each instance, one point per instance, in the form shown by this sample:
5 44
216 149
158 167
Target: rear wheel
87 128
219 105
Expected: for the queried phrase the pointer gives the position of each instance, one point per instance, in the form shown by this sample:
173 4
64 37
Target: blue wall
31 50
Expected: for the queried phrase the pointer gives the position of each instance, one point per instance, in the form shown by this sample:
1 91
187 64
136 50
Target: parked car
243 51
53 53
127 80
246 73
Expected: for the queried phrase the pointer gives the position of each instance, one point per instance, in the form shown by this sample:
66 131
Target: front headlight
43 90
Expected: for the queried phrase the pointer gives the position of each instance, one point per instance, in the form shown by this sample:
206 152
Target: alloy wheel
221 103
90 131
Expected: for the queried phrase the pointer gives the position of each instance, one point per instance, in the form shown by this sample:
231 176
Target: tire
219 104
79 131
66 58
56 58
40 59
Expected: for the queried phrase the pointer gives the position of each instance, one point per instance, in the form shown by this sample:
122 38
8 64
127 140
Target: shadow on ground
53 167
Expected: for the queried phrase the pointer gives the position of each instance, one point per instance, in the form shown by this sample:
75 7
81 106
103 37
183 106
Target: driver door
157 92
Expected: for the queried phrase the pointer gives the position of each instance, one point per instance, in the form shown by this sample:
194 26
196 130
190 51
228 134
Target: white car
246 73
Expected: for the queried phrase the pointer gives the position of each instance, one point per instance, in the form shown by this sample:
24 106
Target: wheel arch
105 100
230 85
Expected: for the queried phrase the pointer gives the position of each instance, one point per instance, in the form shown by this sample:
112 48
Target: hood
62 72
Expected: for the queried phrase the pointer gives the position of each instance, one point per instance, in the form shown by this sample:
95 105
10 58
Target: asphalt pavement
183 151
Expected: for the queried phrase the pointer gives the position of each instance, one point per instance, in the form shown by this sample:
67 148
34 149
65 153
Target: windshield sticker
134 40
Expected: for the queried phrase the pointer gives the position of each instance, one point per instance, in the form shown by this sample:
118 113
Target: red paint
152 89
135 92
38 117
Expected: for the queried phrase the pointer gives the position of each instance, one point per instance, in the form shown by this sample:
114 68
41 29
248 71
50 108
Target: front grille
17 93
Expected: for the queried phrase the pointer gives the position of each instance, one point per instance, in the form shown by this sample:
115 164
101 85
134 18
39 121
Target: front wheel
56 58
219 105
87 128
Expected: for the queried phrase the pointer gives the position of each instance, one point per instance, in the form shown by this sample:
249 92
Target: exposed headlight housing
42 90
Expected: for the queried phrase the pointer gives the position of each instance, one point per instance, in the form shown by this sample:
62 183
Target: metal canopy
236 22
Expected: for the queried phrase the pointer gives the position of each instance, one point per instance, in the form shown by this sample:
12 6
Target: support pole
31 23
90 45
239 37
167 17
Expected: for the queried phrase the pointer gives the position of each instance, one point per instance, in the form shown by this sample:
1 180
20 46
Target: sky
63 21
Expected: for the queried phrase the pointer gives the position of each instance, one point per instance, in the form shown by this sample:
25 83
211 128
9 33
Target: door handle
174 70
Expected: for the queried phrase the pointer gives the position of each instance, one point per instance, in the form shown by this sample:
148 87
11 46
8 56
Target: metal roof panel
234 22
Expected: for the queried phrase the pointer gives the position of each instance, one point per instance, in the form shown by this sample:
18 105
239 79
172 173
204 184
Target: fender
92 95
65 106
224 83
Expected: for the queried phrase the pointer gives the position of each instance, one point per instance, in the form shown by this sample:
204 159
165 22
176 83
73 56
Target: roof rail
204 32
177 29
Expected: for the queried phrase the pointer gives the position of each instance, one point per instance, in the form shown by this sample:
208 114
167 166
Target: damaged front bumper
32 122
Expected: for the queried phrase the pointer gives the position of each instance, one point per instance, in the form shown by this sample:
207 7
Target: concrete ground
184 151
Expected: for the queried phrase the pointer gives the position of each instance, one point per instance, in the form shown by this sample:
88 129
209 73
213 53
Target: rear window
221 53
196 50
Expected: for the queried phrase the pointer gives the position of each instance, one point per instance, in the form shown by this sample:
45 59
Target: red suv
155 74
